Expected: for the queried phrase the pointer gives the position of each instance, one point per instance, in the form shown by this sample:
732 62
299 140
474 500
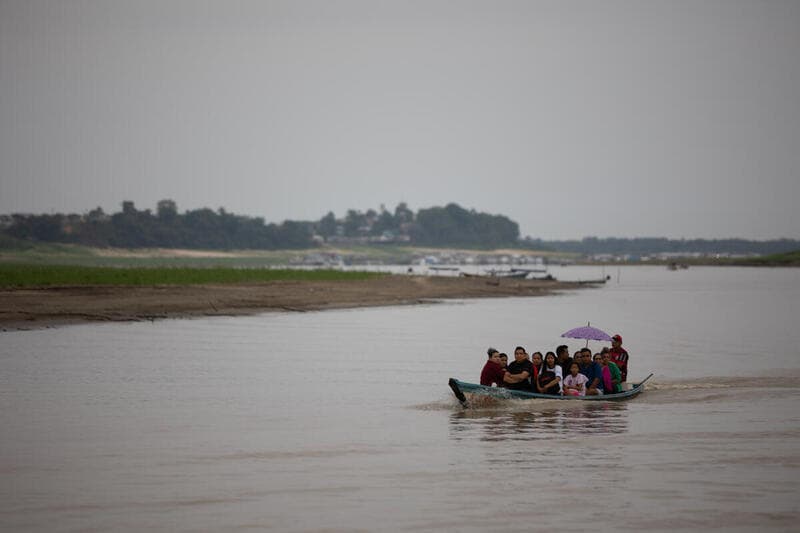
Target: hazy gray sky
574 118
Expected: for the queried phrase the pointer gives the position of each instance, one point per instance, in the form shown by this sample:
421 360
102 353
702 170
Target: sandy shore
57 306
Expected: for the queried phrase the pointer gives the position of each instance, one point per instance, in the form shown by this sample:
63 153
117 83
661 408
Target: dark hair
548 354
561 349
490 352
585 350
503 355
519 348
574 363
541 365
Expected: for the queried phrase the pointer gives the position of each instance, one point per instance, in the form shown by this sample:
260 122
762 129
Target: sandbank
35 308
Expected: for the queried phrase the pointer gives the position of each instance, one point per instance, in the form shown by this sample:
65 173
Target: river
342 421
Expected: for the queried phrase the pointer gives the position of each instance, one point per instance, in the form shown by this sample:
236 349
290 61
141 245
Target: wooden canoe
460 387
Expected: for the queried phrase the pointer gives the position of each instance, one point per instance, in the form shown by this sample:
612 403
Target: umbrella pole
588 325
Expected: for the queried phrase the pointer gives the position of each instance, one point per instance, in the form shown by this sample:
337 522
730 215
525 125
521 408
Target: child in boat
549 380
575 382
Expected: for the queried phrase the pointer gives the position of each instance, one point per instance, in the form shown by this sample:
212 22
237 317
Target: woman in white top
549 380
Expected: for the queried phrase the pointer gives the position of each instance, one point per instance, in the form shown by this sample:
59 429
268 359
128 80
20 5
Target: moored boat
509 274
461 387
494 274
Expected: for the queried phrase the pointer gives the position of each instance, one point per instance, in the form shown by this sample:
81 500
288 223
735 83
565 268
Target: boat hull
499 392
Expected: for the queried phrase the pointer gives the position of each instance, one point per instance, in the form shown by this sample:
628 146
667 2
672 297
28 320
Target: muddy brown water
343 421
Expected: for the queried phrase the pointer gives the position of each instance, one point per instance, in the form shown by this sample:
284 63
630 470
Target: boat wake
782 381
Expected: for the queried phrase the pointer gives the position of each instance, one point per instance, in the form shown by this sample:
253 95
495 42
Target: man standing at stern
619 356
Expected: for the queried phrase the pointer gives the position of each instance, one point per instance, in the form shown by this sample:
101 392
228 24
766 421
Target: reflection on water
514 422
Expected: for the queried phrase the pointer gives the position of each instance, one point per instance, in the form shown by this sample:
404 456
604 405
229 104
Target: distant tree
167 210
46 228
353 222
134 229
402 214
454 225
96 214
384 222
128 208
327 225
295 234
203 229
96 229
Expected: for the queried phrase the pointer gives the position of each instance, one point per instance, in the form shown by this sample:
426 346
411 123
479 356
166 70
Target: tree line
451 225
205 228
640 246
167 228
448 226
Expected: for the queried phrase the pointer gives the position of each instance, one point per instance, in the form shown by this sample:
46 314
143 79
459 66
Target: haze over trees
204 228
167 228
448 226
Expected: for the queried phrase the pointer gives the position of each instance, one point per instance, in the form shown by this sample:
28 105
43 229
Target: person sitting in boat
549 380
608 386
593 373
504 361
563 359
575 382
619 356
537 360
616 375
493 371
519 371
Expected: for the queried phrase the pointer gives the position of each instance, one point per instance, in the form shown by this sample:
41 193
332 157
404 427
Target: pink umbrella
587 332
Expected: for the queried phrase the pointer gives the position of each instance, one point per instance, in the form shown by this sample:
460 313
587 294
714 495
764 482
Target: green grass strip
61 275
790 258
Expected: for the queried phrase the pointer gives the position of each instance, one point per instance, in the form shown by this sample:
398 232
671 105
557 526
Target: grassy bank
787 259
21 275
69 254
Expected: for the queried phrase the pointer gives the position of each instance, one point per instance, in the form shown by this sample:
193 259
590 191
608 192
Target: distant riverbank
48 306
330 256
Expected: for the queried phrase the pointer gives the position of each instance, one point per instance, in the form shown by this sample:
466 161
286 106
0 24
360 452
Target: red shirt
620 357
492 373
